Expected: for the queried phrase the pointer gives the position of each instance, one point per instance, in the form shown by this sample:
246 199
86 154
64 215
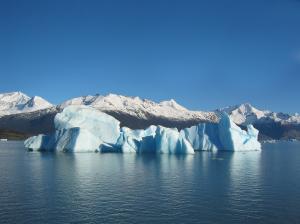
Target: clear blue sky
204 54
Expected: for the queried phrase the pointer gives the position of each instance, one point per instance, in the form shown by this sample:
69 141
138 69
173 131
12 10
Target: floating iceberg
154 140
100 124
68 140
78 129
225 135
129 140
203 136
84 129
38 142
139 141
170 141
233 138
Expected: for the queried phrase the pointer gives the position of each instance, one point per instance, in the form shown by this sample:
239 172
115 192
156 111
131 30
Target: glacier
85 129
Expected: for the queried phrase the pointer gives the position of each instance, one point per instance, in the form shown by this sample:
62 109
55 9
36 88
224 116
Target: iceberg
225 135
100 124
169 140
39 142
233 138
153 140
128 140
139 141
84 129
78 129
148 143
68 140
203 136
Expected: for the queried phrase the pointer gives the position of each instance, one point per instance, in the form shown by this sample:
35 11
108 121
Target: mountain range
22 116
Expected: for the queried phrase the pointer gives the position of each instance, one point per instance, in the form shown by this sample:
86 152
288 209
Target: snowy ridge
18 102
245 114
141 108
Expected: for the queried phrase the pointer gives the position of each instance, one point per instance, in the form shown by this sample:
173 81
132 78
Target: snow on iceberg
84 129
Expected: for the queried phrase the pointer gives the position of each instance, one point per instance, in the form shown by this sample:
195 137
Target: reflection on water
252 187
246 163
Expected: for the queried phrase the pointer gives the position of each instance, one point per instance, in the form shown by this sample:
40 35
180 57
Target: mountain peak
38 102
246 108
243 113
173 104
14 97
18 102
248 105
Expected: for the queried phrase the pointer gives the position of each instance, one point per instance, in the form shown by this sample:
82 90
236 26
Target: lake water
251 187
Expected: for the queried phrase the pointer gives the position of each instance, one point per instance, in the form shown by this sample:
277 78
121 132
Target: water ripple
254 187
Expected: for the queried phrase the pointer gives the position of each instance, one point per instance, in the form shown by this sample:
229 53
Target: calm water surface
252 187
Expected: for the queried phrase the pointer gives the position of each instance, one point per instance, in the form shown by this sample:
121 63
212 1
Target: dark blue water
252 187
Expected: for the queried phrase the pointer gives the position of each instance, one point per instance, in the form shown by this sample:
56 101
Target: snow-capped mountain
141 108
245 114
18 102
31 116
